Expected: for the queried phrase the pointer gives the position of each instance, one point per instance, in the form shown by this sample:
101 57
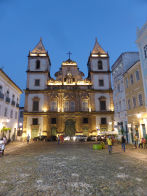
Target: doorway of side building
70 129
143 130
34 133
53 131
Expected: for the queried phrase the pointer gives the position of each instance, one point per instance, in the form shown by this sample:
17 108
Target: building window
72 106
145 51
66 106
103 121
35 106
37 82
15 115
85 106
38 64
11 114
101 82
102 102
134 102
126 82
53 120
85 120
35 121
129 104
64 79
21 114
118 87
1 89
7 93
137 75
54 106
5 112
102 105
140 100
100 65
131 79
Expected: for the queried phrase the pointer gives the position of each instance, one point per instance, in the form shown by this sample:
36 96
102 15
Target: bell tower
38 69
99 68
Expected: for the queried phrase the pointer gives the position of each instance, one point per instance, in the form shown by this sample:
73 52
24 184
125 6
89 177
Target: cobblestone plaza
71 170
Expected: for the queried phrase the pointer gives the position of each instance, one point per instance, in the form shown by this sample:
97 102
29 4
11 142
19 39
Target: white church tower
100 75
38 72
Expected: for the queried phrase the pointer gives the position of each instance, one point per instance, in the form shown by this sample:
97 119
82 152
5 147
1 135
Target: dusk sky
66 25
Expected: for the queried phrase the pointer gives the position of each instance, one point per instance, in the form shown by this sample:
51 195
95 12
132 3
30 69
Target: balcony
17 105
13 103
1 95
7 100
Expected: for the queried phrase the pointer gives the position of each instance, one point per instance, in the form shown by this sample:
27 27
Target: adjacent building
135 101
121 65
9 106
69 104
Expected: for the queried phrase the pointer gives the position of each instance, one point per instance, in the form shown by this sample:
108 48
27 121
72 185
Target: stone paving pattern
42 169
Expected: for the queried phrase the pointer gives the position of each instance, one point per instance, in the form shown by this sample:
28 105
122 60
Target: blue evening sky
66 25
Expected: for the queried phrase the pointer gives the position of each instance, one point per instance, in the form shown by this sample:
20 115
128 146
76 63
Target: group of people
141 143
110 143
60 139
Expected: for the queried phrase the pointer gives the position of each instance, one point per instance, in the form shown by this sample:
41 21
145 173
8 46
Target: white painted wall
8 121
30 102
43 81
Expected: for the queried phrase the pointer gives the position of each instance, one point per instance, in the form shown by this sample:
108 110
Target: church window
85 120
37 82
54 106
64 79
35 121
66 106
140 99
102 101
38 64
35 106
102 105
137 75
145 51
101 82
85 105
103 121
131 79
100 65
72 106
53 120
73 79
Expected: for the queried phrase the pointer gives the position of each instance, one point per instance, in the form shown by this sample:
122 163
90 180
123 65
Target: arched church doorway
70 129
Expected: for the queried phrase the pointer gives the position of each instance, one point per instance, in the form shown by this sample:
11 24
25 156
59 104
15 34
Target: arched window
38 64
131 79
100 65
145 51
102 101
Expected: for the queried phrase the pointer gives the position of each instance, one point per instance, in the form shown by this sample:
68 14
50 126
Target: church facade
70 104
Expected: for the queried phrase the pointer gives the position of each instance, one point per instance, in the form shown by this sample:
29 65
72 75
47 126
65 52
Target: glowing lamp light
20 124
44 109
138 115
110 123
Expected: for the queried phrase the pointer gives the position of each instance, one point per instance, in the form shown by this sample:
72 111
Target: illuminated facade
9 106
135 101
68 105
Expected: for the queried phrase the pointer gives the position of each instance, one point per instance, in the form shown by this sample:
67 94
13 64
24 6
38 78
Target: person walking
123 143
135 141
28 139
58 139
109 142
